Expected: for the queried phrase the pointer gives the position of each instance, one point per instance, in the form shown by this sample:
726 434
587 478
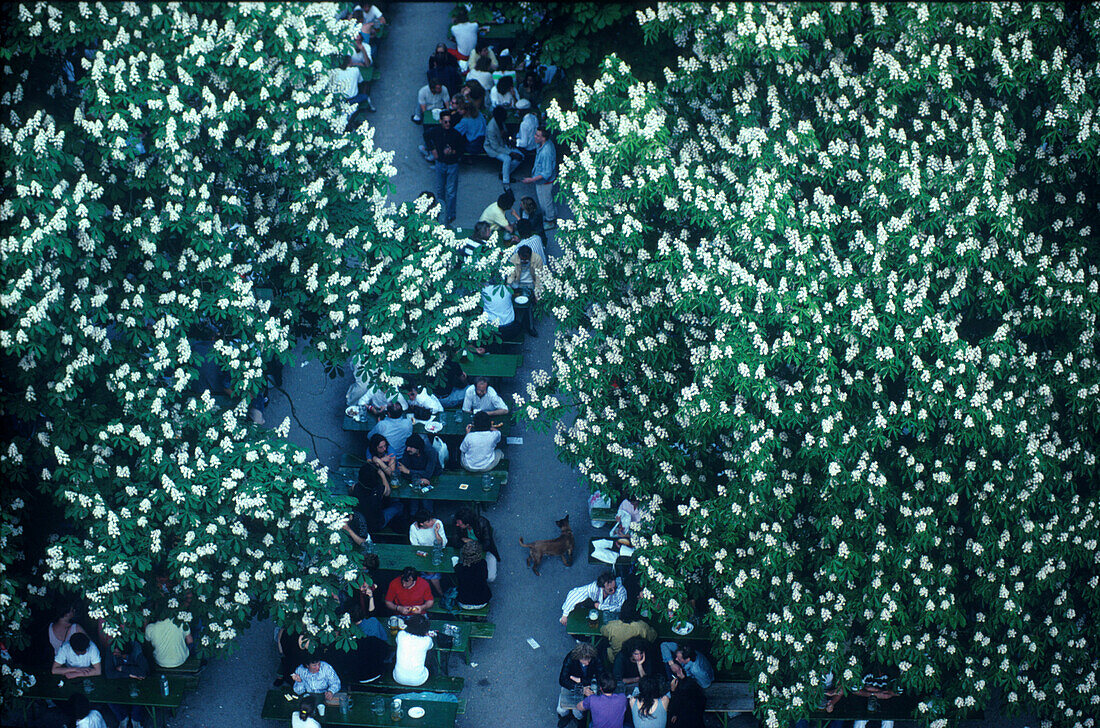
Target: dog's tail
521 543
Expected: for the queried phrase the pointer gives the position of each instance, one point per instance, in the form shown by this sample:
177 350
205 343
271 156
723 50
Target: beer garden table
448 486
395 557
437 714
105 690
577 625
454 423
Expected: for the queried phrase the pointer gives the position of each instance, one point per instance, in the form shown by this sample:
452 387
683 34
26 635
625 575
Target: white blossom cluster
840 306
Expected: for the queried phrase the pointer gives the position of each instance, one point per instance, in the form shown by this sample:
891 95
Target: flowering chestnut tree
181 174
830 297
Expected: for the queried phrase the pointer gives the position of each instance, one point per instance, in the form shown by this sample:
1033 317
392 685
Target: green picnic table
500 32
396 556
577 625
104 690
278 705
460 645
620 561
454 423
449 486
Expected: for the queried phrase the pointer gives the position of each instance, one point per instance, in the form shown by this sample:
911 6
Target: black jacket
573 668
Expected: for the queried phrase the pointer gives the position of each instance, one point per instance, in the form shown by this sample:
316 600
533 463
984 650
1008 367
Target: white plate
522 300
433 426
352 412
683 628
416 712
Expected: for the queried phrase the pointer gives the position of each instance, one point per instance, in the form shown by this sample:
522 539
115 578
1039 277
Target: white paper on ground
515 440
531 641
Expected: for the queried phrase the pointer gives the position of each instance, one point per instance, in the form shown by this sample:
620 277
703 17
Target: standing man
446 147
544 175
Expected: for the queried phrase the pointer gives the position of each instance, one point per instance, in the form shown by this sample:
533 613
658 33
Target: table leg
152 715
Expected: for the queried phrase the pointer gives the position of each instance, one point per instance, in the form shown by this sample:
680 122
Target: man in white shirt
346 80
465 34
496 301
525 137
480 397
432 95
77 658
607 593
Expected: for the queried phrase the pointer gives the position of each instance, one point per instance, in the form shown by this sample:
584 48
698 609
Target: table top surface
447 486
396 556
491 365
106 690
461 643
454 423
361 713
578 625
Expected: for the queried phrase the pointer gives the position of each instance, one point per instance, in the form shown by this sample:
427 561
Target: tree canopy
829 308
180 190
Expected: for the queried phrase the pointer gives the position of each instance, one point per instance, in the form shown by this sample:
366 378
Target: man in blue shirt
683 661
395 427
316 677
473 128
543 176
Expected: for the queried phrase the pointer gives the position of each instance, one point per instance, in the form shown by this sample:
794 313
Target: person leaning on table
78 658
606 592
316 677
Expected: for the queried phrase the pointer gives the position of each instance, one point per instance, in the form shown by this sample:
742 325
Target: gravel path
511 680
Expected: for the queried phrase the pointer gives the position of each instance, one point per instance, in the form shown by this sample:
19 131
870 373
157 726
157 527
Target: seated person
420 462
128 665
421 402
80 711
650 706
628 514
65 625
628 625
305 715
372 18
363 56
473 93
413 644
409 593
607 706
346 81
472 577
464 32
426 530
372 494
316 677
77 658
684 661
526 273
473 527
364 393
363 663
171 643
481 71
453 393
580 670
484 50
497 146
687 704
480 397
878 684
531 89
378 450
472 127
496 214
432 95
525 231
503 94
496 301
395 427
479 449
444 67
637 659
482 234
607 594
293 650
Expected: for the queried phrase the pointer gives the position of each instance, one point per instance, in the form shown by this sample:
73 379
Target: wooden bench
435 684
482 630
729 699
478 615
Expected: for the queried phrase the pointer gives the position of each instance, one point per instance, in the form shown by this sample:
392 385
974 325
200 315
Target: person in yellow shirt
496 214
628 625
171 643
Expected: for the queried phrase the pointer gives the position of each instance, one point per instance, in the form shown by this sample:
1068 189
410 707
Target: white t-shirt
508 99
412 650
426 536
479 447
363 57
67 657
465 37
347 80
296 722
369 16
525 137
92 720
485 78
496 300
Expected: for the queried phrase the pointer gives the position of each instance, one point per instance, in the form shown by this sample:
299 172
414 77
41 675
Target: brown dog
561 546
